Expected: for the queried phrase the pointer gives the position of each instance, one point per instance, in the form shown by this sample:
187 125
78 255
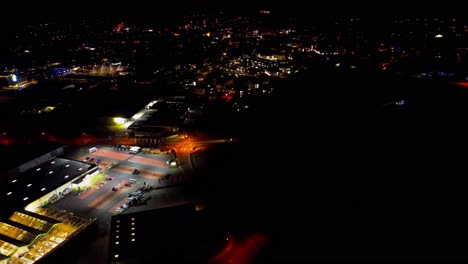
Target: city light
119 120
14 78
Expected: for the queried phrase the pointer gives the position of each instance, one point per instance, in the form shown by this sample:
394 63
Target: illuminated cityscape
250 133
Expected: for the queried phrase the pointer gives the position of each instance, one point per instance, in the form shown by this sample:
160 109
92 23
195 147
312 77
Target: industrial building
30 230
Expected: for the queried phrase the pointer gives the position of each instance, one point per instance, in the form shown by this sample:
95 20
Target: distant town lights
14 78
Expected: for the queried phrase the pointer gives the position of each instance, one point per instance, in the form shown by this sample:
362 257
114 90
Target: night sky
168 10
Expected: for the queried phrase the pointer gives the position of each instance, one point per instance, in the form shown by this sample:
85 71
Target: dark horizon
175 9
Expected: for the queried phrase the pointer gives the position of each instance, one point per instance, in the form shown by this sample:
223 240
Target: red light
241 249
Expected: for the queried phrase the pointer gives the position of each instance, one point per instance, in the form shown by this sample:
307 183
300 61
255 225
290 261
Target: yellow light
119 120
116 256
208 34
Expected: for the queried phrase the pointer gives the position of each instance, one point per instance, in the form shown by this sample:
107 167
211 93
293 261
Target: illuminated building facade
29 229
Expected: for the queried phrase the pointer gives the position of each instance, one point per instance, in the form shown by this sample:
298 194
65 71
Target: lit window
117 242
43 189
9 193
50 172
53 162
118 221
117 237
133 228
133 240
66 176
68 165
116 255
133 218
133 234
80 169
38 169
25 198
117 231
13 181
133 223
29 185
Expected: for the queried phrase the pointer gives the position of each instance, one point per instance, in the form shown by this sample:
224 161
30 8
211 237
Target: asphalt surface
101 202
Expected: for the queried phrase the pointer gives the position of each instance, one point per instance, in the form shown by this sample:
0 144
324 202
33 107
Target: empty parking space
151 174
102 200
112 154
148 161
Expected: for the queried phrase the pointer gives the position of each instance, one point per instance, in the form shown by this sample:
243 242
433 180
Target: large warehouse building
29 229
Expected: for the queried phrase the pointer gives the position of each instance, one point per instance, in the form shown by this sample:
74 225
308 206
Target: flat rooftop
38 181
15 155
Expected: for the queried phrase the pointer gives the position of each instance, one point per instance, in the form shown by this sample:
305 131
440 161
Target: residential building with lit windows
176 234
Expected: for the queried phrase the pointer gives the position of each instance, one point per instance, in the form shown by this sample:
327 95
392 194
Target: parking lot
125 174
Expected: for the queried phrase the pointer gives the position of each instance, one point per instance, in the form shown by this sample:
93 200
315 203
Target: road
171 182
184 146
